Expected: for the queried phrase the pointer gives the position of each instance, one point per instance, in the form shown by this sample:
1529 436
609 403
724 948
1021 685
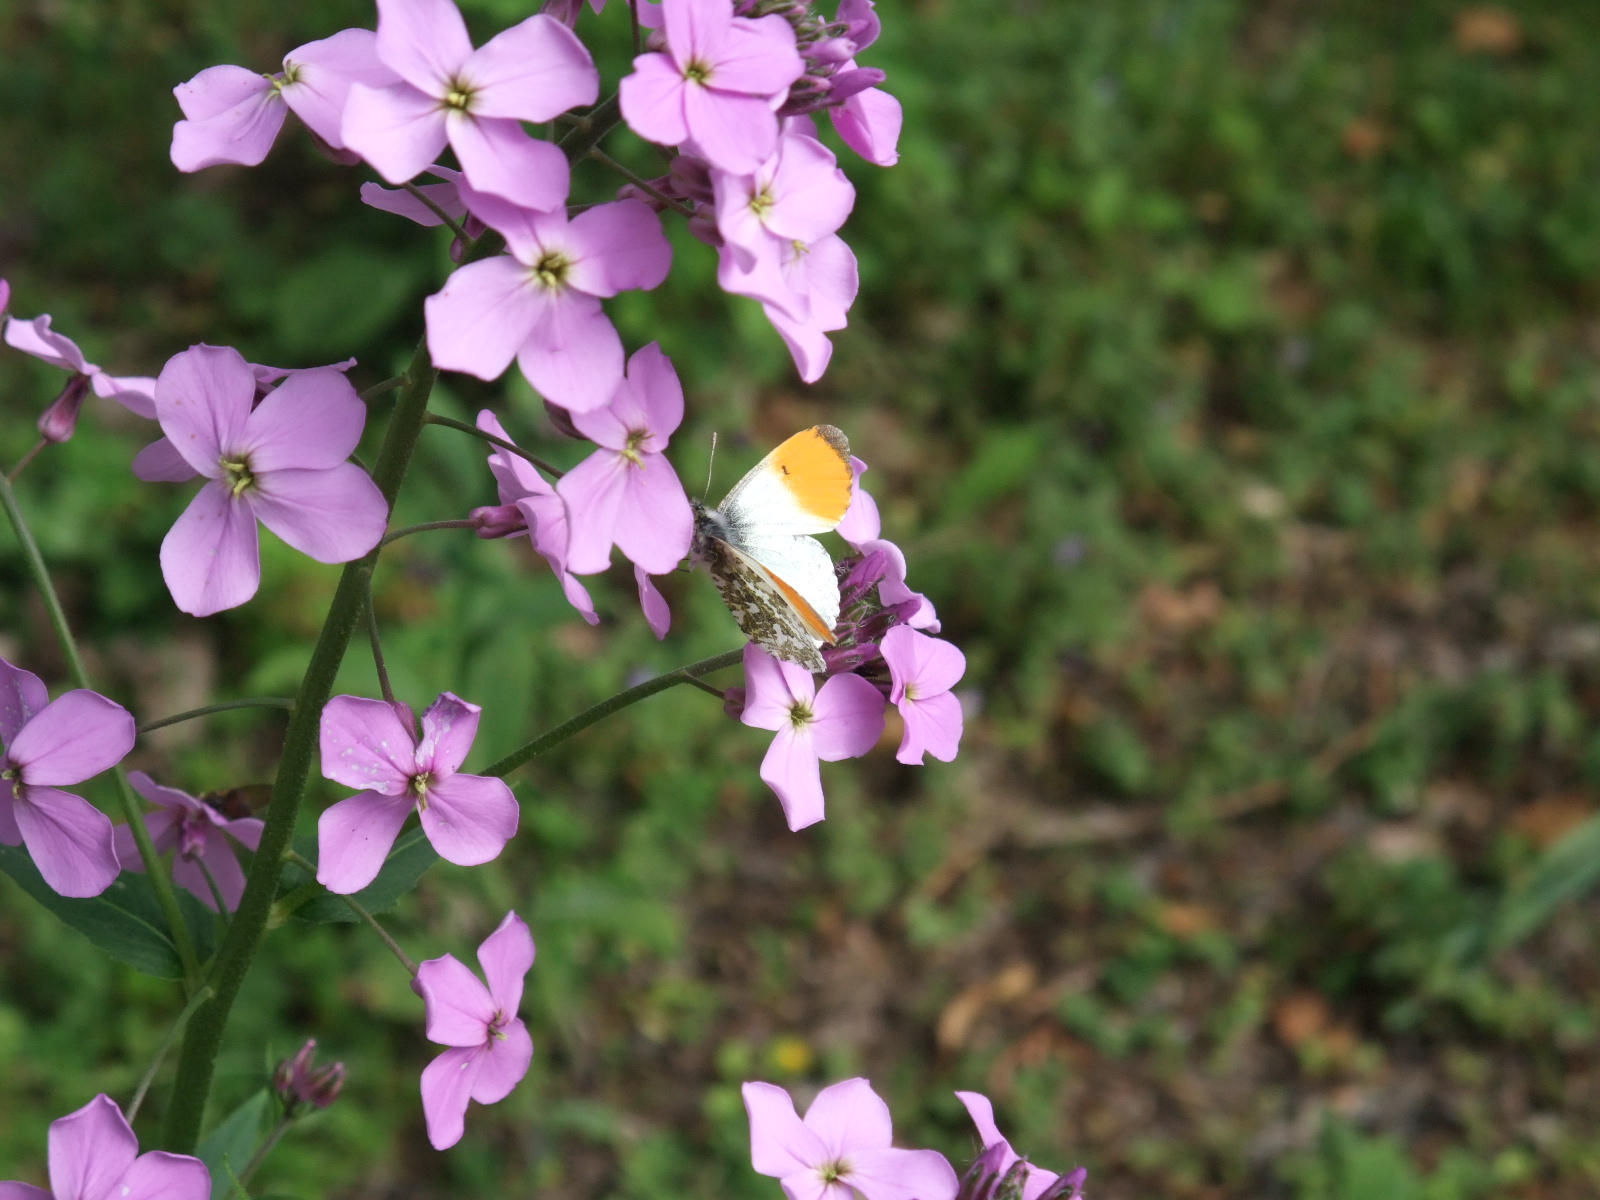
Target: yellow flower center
236 471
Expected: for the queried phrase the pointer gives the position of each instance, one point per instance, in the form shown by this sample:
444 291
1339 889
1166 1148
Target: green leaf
234 1143
125 920
411 856
1564 872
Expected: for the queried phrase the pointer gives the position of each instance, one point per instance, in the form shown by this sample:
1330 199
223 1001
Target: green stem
355 906
438 212
154 867
598 122
605 708
198 1058
473 430
640 182
195 1001
372 636
27 458
379 389
224 706
260 1156
408 530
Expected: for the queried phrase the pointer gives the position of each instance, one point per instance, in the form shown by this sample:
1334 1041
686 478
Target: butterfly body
775 578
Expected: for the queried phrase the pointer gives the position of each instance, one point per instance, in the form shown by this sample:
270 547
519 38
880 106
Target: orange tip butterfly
775 578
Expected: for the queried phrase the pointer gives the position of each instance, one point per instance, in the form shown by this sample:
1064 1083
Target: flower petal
861 522
533 71
869 123
849 1116
426 41
506 956
136 393
891 1174
312 420
757 57
696 29
656 612
76 736
160 462
89 1150
35 337
655 524
482 316
780 1143
447 1084
22 695
334 516
618 246
769 694
72 842
593 491
354 837
933 725
497 156
232 116
653 100
735 132
225 870
397 129
365 744
505 1062
848 720
162 1176
459 1008
470 818
573 357
203 399
448 728
791 769
323 72
982 1113
23 1191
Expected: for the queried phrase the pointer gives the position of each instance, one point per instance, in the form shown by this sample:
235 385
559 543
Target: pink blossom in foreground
282 462
489 1045
233 115
540 304
719 83
861 522
844 719
1036 1180
134 392
472 100
797 195
48 744
869 123
368 744
626 492
842 1150
543 513
924 669
199 834
94 1155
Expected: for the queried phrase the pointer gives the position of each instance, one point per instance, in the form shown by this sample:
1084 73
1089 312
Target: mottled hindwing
759 607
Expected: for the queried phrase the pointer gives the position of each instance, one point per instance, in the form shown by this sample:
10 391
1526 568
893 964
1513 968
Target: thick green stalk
204 1037
154 867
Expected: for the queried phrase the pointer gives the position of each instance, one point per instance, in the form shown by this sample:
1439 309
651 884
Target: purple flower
446 195
842 1149
823 275
48 744
94 1155
719 83
869 123
474 100
842 720
489 1045
302 1085
233 115
626 492
369 744
566 11
1036 1180
797 195
860 522
282 462
542 511
654 604
863 529
924 669
35 337
541 303
199 834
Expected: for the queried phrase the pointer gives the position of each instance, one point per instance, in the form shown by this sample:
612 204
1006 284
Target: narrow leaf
233 1143
1564 872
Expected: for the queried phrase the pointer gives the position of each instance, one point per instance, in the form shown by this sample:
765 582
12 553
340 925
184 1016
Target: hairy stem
408 530
200 1044
195 1001
224 706
473 430
605 708
154 867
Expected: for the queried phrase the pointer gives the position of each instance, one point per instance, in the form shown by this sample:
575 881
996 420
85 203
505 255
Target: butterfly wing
802 570
802 487
758 603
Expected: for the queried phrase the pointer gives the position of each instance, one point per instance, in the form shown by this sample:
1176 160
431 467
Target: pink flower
626 492
282 462
474 100
869 123
842 720
199 834
566 11
48 744
861 522
656 613
489 1045
719 83
797 195
823 275
924 669
35 337
842 1149
233 115
1037 1180
94 1155
541 303
446 196
863 529
368 744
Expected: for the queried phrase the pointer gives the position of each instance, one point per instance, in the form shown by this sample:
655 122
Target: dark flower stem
27 458
408 530
225 706
380 389
605 708
474 431
154 866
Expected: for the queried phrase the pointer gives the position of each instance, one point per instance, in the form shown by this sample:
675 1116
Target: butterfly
777 580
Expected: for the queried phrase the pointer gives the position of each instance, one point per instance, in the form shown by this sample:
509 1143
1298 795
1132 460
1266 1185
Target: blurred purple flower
199 834
134 392
996 1167
94 1155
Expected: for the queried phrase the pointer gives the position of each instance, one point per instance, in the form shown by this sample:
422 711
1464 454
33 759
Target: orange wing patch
807 613
815 466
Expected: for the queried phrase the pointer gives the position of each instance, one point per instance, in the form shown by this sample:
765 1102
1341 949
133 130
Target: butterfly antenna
709 466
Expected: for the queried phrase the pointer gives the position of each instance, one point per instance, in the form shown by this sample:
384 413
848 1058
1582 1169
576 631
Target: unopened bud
703 225
565 11
831 50
301 1084
58 421
498 521
848 83
691 178
733 702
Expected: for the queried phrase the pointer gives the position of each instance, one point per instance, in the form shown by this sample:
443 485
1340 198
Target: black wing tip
835 438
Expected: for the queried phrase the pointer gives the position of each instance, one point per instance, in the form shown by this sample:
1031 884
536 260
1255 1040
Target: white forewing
761 501
803 564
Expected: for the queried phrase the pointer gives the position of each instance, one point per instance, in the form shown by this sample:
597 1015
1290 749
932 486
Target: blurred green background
1228 371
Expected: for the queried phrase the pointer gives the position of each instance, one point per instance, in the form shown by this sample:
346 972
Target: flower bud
565 11
498 521
302 1085
58 421
831 50
562 420
733 702
848 83
691 178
